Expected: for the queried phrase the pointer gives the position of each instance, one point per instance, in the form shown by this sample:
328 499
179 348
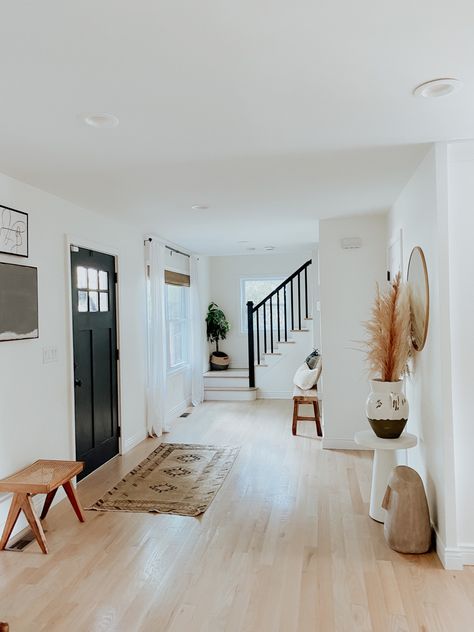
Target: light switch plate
50 354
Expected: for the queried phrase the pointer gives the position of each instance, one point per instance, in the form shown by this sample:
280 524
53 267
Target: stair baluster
271 325
306 292
299 302
258 337
264 328
278 315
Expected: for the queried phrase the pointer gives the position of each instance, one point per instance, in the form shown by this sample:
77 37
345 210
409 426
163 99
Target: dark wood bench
306 397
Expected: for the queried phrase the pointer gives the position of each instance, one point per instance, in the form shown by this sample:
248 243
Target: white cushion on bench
306 378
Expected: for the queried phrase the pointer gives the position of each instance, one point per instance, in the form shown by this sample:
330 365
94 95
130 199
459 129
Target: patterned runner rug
176 478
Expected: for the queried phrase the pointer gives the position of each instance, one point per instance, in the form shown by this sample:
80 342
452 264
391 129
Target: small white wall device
349 243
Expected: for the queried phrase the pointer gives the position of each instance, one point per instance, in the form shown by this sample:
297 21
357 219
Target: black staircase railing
261 338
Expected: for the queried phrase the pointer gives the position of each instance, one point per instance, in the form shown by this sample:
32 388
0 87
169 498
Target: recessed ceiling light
269 248
199 207
251 248
243 241
437 88
101 120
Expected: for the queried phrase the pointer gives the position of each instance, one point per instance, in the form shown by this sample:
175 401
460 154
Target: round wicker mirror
417 279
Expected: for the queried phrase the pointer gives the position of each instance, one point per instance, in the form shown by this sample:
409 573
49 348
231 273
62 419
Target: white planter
387 408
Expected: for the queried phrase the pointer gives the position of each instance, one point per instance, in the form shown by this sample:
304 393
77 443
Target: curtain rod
178 252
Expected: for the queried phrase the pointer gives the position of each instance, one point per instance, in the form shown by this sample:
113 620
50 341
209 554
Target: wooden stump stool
407 526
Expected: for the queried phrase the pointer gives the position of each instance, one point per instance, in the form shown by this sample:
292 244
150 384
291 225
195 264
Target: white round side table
384 461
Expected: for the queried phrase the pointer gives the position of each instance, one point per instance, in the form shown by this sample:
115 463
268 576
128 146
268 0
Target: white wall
347 288
461 231
36 399
421 213
226 273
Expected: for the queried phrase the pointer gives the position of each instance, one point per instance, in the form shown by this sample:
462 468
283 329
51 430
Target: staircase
279 335
287 306
229 385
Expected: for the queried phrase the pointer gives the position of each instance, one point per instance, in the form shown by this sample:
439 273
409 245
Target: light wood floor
287 545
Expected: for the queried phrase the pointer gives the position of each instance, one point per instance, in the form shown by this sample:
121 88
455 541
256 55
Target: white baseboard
178 409
450 557
274 394
341 444
133 441
467 552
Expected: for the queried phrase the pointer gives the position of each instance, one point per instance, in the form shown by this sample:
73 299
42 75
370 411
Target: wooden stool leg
295 416
317 418
12 517
34 522
74 500
47 503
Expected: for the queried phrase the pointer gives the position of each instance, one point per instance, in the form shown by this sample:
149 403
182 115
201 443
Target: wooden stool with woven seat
42 477
306 397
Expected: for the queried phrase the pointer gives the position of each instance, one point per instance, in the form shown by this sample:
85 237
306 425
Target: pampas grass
388 345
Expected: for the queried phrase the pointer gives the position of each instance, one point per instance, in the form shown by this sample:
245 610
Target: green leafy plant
217 324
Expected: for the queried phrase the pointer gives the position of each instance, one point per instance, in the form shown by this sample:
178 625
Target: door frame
105 249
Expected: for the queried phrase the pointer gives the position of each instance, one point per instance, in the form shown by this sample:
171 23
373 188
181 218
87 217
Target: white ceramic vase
387 408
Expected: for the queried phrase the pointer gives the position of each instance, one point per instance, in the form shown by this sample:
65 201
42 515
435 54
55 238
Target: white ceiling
273 113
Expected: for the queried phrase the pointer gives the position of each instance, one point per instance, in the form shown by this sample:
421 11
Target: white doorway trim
395 254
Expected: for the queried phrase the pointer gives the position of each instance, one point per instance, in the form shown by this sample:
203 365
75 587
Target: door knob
77 382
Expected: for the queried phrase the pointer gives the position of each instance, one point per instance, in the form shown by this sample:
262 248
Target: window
256 289
177 324
93 290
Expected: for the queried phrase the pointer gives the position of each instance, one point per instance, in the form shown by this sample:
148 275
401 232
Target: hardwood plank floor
287 545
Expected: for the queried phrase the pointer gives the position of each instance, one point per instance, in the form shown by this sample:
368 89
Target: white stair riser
223 395
223 382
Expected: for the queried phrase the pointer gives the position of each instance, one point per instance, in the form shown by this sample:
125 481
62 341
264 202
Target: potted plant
217 329
388 348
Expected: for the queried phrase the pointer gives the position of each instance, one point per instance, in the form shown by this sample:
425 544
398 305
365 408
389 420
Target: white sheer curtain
197 347
156 383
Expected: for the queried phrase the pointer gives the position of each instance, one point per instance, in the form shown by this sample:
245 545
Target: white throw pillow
305 378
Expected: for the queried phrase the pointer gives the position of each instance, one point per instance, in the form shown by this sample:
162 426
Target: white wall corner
467 552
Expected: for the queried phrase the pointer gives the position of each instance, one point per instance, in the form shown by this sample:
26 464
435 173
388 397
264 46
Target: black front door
95 357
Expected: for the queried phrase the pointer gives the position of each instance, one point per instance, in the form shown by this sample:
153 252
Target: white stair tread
298 330
228 373
230 388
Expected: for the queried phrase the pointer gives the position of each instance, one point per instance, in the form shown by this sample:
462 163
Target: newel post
251 348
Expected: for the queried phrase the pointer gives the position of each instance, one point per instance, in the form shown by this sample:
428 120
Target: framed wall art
13 232
18 302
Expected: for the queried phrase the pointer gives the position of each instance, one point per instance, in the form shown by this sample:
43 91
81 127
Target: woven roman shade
176 278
